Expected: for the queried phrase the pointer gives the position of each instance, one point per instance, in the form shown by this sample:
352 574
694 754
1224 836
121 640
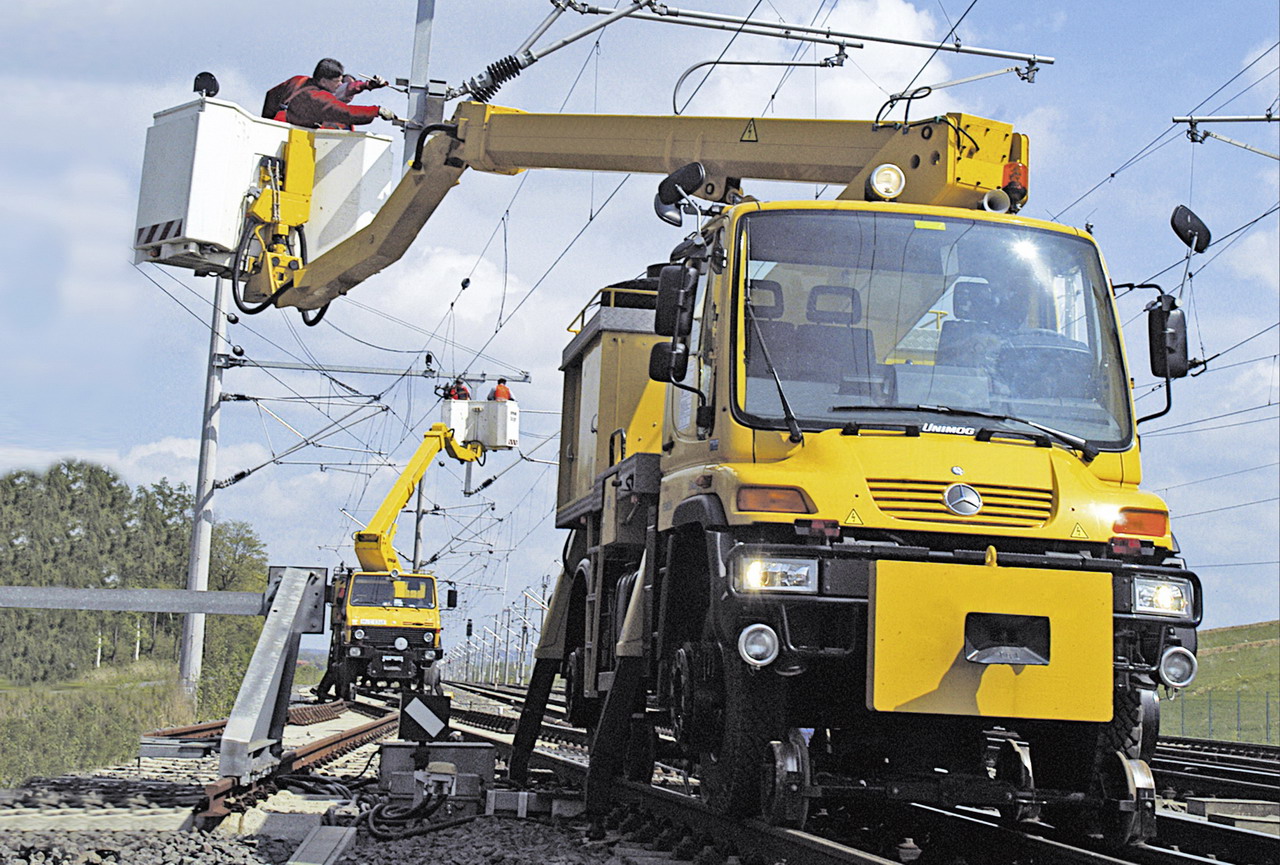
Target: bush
95 724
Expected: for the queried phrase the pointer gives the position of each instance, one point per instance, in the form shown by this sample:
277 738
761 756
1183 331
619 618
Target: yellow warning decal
932 226
1079 532
853 519
749 134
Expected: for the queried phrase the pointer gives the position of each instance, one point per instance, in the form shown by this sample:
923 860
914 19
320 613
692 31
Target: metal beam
184 601
251 741
670 14
228 362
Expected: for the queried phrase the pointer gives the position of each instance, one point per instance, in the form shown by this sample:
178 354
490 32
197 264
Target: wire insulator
497 74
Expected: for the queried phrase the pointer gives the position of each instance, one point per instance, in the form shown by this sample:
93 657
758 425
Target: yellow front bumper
916 659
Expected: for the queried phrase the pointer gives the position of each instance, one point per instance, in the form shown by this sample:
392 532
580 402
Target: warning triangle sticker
749 134
853 519
1079 532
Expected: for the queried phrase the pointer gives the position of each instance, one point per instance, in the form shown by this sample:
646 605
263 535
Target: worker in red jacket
321 99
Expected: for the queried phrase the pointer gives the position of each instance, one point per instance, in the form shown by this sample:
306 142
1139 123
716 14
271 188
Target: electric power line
1181 517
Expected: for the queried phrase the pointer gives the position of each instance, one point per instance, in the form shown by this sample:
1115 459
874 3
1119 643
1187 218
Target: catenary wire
1144 151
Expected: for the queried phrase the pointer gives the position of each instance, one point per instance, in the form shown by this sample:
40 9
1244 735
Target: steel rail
1180 840
1221 746
300 715
307 756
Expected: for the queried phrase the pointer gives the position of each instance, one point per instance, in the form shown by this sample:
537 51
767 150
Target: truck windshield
370 590
888 312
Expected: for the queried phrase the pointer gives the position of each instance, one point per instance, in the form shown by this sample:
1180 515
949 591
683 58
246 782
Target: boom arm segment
950 160
374 546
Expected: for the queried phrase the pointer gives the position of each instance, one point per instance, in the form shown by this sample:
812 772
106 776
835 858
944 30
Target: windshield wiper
1088 452
793 425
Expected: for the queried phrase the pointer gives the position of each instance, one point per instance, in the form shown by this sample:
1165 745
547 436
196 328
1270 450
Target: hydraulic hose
450 128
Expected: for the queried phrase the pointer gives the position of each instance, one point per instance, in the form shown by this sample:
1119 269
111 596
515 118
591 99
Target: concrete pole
418 77
191 654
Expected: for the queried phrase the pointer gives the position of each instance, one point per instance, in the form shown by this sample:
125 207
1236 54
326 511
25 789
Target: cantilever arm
383 241
953 160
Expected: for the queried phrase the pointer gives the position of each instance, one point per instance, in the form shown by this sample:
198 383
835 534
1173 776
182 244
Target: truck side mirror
1167 337
451 598
668 361
674 308
669 213
1190 229
682 182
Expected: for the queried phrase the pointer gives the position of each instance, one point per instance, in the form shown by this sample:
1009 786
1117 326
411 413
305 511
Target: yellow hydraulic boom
374 546
955 160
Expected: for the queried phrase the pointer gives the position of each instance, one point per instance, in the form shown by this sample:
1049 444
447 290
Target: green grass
87 724
1237 691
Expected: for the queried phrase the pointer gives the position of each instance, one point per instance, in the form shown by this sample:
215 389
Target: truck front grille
921 501
387 636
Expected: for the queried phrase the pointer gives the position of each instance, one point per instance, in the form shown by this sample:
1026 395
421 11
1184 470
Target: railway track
666 816
960 835
1205 767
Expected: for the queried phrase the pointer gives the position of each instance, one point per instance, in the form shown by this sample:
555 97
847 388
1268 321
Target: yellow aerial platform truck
385 622
851 485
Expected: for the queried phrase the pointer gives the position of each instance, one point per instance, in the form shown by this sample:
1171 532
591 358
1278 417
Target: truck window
871 309
370 590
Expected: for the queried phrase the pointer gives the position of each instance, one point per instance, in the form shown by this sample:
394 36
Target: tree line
79 525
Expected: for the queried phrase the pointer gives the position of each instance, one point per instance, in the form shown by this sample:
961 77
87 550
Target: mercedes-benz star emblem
962 499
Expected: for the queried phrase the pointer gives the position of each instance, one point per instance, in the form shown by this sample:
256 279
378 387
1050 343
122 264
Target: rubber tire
641 753
732 775
580 711
346 682
1124 733
431 682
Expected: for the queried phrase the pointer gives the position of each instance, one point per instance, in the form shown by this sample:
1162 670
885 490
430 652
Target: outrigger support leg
535 706
609 744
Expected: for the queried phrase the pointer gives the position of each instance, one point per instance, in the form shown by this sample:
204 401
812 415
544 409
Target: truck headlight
358 633
1162 596
401 643
776 575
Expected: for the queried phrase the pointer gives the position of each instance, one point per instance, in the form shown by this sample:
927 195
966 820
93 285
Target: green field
1236 695
83 724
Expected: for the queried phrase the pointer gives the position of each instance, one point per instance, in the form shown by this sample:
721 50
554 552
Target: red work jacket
278 97
313 107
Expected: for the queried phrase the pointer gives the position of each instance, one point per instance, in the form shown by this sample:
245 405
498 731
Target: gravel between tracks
490 841
138 848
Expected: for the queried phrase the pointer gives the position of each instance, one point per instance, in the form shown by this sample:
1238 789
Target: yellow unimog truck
852 489
385 622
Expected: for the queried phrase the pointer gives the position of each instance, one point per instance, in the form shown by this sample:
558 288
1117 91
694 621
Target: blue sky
100 362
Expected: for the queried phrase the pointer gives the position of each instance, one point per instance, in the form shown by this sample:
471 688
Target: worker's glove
377 81
386 113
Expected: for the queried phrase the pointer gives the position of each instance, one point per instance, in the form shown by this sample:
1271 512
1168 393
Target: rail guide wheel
1128 811
1013 765
784 802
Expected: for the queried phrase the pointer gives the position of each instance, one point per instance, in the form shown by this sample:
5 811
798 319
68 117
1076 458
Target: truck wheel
346 683
581 711
732 771
431 681
1112 778
642 746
